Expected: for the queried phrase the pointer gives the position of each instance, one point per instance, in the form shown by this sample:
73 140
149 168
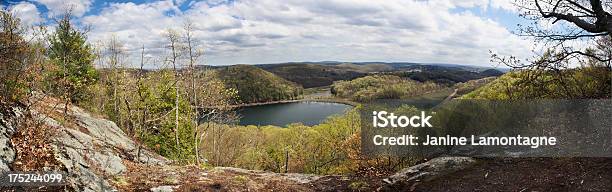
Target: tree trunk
286 160
176 114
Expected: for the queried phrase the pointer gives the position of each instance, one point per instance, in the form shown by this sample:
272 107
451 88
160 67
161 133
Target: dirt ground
192 178
525 174
511 174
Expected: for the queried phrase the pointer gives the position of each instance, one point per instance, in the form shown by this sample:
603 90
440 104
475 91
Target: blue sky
272 31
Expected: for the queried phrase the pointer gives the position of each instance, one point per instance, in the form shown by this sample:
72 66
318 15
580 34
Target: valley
407 95
282 88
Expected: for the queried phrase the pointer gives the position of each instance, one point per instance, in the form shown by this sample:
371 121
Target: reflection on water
305 112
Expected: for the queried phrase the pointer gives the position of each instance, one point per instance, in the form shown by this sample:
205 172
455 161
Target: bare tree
141 99
113 55
13 54
565 26
194 54
175 52
569 35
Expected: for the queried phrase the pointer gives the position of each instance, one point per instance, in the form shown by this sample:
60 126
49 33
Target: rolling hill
317 74
286 80
256 85
312 75
445 74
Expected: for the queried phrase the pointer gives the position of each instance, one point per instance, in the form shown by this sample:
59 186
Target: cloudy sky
273 31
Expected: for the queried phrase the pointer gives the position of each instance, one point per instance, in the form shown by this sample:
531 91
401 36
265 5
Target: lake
281 114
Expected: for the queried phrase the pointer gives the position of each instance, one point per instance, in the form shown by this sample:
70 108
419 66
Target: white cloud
133 24
27 12
264 31
507 5
58 7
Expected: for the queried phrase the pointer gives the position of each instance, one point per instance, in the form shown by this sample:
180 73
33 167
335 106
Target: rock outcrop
193 178
430 170
295 177
8 124
92 150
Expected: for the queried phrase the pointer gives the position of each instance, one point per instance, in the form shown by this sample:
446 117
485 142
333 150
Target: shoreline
339 101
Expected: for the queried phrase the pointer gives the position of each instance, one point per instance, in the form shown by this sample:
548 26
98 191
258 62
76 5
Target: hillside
318 74
445 75
91 151
471 85
381 87
582 83
312 75
256 85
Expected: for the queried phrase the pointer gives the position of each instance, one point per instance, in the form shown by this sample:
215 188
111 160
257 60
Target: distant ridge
324 73
399 64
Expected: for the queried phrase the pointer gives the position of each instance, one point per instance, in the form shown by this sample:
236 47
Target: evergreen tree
72 60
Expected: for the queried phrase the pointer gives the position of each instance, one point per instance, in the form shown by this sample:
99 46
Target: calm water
305 112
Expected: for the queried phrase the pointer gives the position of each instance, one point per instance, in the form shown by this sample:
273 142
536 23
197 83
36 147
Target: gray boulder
296 177
8 121
430 170
92 150
164 188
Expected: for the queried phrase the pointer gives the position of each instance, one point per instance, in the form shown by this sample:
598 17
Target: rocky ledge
89 149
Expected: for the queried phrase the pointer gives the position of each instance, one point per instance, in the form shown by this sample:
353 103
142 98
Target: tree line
168 110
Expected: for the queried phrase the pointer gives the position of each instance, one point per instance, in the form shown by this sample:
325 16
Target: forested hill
317 74
312 75
580 83
257 85
445 74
